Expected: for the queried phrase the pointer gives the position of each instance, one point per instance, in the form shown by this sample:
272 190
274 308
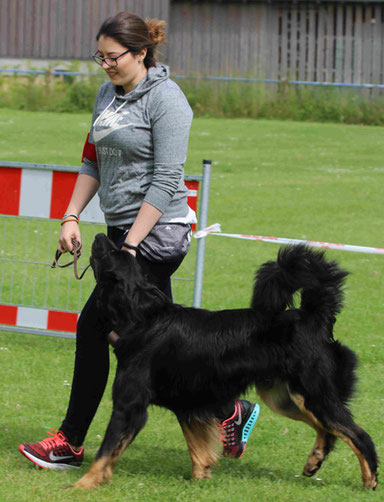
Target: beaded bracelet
69 219
73 215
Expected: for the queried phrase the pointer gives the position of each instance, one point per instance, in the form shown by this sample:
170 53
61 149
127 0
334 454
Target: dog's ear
125 293
110 302
119 265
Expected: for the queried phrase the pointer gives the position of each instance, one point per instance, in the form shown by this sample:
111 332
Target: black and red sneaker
54 452
237 428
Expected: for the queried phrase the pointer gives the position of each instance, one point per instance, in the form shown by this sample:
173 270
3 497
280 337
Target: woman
134 158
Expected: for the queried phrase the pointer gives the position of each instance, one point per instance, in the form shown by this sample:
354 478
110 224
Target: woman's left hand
131 251
126 246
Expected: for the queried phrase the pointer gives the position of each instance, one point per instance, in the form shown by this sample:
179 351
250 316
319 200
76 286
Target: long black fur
194 361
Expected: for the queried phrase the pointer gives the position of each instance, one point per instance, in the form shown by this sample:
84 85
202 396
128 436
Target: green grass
297 180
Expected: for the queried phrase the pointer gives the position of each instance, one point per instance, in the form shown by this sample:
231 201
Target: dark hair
135 34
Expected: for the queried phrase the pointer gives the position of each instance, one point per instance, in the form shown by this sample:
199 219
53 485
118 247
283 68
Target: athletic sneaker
54 452
238 428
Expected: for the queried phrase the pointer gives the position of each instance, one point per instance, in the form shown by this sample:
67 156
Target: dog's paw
371 483
200 472
310 469
207 472
88 482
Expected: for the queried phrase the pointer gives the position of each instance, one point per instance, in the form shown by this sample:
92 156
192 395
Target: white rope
215 229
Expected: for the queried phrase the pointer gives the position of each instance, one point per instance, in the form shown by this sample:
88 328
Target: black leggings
92 350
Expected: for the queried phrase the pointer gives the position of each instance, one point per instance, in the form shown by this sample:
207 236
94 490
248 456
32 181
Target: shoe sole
250 423
46 465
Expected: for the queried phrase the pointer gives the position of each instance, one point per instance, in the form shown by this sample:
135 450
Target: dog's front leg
128 418
102 467
115 442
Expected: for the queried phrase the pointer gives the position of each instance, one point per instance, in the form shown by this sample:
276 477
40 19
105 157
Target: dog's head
117 274
124 293
109 263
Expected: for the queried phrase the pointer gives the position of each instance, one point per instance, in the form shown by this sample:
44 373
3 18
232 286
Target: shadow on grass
161 463
171 463
158 466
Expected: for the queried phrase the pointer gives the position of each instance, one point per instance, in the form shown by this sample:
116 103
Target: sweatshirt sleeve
89 161
171 118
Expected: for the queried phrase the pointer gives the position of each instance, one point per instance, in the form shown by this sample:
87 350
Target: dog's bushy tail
300 268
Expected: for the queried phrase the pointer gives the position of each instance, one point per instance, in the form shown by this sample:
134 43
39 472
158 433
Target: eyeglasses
112 61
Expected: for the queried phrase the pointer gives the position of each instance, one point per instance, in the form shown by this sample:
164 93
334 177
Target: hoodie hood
156 75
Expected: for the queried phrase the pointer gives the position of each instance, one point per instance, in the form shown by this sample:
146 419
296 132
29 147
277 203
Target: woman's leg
90 373
91 369
61 450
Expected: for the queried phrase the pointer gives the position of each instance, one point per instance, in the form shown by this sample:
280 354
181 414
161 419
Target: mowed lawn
296 180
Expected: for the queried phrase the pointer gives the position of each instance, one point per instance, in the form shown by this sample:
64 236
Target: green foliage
232 99
49 93
283 101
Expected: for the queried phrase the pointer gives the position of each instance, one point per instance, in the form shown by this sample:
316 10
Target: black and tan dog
191 361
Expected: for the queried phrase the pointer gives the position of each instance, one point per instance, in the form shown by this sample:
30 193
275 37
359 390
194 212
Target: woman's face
130 68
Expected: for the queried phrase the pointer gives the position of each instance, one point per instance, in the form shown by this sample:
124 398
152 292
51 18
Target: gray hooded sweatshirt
141 141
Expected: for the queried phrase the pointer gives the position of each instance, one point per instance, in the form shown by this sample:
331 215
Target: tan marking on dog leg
203 441
319 452
102 468
119 450
311 418
279 394
274 397
368 477
95 476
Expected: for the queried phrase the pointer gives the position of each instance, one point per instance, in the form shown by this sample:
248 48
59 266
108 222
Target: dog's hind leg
363 447
343 427
203 441
323 445
279 400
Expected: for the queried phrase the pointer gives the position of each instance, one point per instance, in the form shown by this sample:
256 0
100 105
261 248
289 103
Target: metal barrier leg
203 221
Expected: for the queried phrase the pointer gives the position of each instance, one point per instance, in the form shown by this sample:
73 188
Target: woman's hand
130 248
69 231
85 188
131 251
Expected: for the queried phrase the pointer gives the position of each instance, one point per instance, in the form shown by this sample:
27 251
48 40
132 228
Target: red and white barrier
37 318
45 193
215 229
41 193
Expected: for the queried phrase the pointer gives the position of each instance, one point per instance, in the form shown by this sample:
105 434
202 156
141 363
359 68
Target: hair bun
156 29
